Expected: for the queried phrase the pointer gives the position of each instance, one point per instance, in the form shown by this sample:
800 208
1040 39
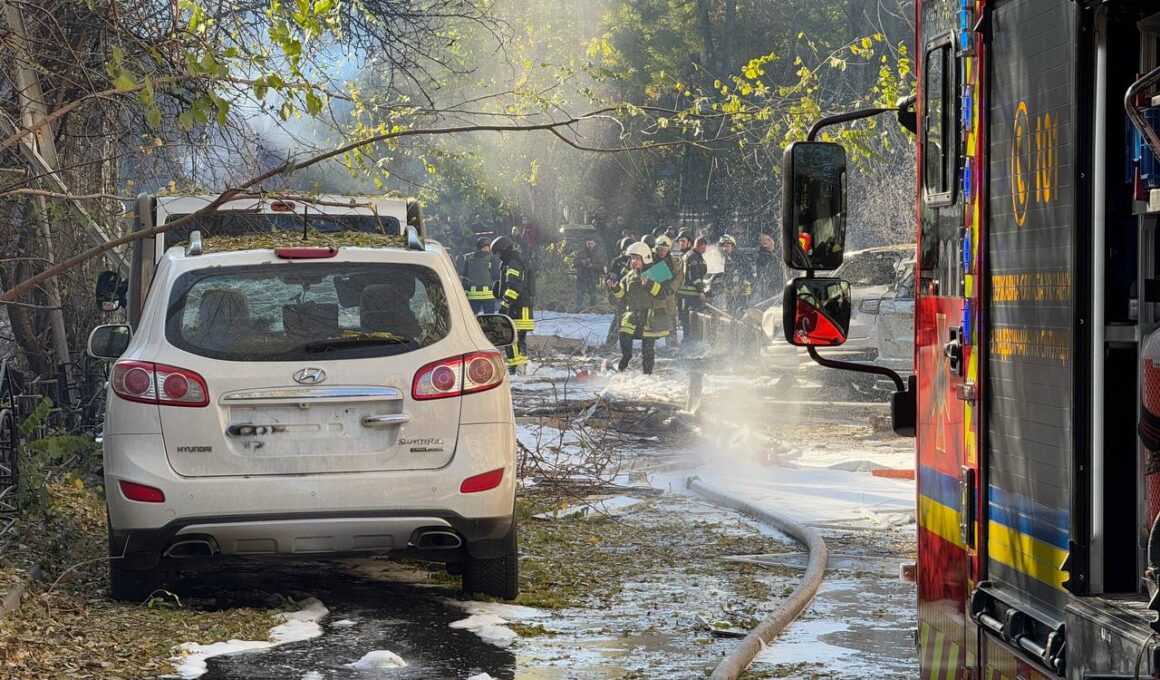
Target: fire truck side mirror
816 312
904 409
907 116
813 208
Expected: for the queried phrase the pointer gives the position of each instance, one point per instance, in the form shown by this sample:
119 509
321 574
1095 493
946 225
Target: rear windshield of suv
868 269
300 311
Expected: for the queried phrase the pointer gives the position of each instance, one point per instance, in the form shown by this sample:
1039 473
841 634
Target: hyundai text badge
310 376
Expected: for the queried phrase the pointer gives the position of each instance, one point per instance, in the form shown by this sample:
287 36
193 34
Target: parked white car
881 320
308 402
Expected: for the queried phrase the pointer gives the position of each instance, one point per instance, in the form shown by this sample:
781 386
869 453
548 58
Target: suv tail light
150 383
141 493
457 376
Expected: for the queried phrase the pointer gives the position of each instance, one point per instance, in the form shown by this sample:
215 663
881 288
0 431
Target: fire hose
742 655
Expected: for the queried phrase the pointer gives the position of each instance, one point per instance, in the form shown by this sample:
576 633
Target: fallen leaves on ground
68 626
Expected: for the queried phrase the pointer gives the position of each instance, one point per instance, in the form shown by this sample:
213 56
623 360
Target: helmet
721 241
649 241
623 244
481 242
503 245
664 242
685 233
642 249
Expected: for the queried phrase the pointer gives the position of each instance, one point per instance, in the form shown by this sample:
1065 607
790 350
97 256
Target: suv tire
497 576
133 585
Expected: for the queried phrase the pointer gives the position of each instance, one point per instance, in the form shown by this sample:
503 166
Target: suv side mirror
816 312
109 341
110 291
498 328
813 206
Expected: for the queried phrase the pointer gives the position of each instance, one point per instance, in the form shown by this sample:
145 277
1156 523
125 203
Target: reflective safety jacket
479 271
674 284
516 289
695 272
644 306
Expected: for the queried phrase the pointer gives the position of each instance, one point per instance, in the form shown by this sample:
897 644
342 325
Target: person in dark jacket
732 288
479 271
684 243
516 289
588 269
767 274
691 293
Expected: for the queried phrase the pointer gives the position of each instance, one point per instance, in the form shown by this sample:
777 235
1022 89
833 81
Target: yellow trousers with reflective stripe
517 352
524 322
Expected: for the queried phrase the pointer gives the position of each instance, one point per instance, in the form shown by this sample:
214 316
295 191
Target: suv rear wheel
133 585
497 576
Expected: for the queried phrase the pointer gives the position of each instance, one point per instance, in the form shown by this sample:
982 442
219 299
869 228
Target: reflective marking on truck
938 504
1028 536
938 655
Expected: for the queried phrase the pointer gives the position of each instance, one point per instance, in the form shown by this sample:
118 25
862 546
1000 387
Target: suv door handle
386 420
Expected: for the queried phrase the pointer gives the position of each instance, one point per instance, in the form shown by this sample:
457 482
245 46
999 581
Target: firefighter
479 271
616 270
662 252
767 274
644 317
732 287
515 288
691 292
684 243
588 270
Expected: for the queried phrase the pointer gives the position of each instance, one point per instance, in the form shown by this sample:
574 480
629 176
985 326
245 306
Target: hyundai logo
310 376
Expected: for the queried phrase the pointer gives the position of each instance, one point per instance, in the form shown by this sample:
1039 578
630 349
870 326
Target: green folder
659 272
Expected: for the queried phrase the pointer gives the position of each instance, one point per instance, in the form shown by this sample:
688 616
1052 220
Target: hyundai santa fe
308 402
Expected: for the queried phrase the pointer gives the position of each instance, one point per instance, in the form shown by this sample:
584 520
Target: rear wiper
355 341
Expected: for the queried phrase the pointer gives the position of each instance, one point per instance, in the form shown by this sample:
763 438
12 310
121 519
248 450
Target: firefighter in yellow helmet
516 288
645 316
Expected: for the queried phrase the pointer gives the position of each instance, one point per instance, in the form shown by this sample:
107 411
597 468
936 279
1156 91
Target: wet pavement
365 615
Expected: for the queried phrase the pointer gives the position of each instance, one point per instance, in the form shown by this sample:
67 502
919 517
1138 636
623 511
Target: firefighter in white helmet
644 315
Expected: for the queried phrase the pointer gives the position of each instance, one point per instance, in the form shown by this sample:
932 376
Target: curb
736 661
11 601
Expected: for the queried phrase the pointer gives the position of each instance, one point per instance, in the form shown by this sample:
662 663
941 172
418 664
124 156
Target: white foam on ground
312 675
189 659
377 660
342 623
489 620
481 676
591 328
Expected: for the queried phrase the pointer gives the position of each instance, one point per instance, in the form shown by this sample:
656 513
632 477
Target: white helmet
640 248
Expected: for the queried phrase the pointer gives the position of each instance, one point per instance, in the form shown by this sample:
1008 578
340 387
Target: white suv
305 402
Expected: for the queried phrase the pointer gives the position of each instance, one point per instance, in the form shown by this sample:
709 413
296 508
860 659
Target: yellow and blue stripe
1028 536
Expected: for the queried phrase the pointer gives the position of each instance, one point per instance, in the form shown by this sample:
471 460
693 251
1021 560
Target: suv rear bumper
314 536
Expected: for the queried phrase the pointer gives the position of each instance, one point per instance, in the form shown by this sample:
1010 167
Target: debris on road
721 628
594 506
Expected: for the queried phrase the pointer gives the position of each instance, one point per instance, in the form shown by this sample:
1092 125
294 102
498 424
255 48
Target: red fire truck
1038 200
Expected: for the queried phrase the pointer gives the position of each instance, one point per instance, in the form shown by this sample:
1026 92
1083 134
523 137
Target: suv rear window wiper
356 340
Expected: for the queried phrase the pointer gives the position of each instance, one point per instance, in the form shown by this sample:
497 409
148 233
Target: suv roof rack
413 240
194 247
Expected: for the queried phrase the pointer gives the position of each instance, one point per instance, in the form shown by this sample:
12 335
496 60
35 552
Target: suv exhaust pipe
438 539
194 547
